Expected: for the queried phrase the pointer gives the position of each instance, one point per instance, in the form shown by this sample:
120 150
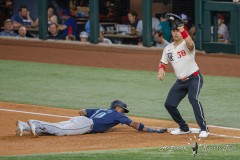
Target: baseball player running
181 54
89 121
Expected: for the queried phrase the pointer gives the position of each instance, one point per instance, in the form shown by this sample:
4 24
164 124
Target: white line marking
53 115
221 135
237 129
197 130
42 114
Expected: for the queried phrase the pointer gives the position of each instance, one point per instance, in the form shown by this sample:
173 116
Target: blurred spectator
6 11
74 6
222 29
58 8
192 31
155 26
79 8
102 39
236 1
54 32
52 18
22 32
186 19
22 18
164 26
8 26
83 36
69 27
160 42
133 21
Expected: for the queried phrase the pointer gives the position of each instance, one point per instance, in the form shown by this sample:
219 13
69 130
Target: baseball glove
174 20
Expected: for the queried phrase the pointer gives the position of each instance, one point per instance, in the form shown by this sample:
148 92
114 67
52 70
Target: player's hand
151 130
28 15
181 28
161 130
161 74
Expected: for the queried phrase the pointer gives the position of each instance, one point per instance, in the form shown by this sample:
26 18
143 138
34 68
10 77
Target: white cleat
32 128
179 132
203 134
19 129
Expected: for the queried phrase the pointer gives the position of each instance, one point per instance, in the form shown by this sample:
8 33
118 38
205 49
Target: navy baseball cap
120 104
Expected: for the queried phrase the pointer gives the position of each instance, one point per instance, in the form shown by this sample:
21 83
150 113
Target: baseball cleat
203 134
19 129
32 128
179 131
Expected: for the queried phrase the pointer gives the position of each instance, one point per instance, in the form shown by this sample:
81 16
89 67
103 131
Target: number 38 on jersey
181 53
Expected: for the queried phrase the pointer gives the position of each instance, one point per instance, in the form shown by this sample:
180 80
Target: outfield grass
205 152
76 87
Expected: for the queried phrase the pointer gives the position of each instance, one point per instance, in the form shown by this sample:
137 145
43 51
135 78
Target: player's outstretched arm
186 37
141 127
189 42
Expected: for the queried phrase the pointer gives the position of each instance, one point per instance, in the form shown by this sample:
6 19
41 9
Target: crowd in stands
62 25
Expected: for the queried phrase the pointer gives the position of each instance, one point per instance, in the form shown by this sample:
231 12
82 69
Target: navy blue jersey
104 119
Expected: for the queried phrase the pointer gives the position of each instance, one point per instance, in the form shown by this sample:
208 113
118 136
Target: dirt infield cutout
120 137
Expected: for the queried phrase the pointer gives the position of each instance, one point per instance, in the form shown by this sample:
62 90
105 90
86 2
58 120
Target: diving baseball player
181 54
89 121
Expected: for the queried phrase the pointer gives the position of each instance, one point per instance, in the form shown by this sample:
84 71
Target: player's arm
220 35
187 38
142 127
16 24
62 27
163 63
83 112
161 70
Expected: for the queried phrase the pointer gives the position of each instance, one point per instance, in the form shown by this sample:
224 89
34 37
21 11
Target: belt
192 75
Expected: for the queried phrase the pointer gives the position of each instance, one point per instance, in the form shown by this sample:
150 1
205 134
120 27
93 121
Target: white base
193 130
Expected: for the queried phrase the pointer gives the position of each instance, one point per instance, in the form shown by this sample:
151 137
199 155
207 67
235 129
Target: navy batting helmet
120 104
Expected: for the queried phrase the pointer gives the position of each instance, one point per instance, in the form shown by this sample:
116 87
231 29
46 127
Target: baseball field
51 81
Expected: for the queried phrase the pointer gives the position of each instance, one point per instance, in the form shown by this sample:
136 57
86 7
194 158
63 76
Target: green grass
76 87
205 152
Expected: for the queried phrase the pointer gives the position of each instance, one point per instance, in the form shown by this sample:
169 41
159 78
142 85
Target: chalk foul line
42 114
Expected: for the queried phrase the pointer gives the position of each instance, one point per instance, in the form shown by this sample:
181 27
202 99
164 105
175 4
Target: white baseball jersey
181 58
